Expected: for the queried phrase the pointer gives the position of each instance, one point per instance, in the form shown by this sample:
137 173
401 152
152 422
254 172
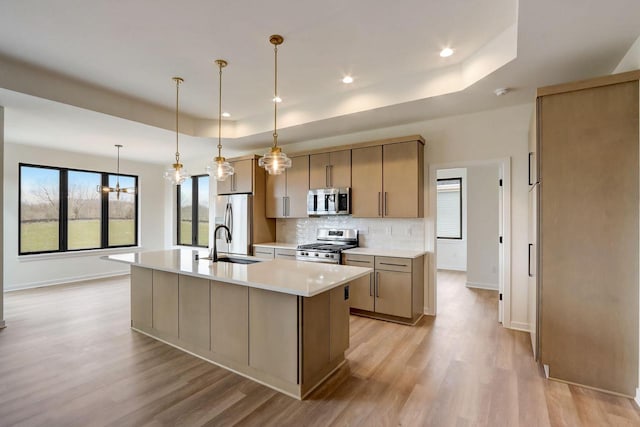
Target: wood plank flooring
68 358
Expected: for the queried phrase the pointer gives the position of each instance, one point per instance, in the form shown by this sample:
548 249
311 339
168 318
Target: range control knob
317 254
327 255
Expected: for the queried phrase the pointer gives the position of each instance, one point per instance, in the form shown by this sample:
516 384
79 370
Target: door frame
504 249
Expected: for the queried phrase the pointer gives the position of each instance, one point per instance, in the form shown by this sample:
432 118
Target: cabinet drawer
262 252
285 253
393 264
358 260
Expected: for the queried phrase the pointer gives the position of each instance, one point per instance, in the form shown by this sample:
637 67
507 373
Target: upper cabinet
242 179
287 193
388 180
330 170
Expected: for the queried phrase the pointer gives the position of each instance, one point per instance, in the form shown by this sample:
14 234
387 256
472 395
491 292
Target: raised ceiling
112 63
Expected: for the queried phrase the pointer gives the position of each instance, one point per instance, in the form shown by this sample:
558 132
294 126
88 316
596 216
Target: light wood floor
68 358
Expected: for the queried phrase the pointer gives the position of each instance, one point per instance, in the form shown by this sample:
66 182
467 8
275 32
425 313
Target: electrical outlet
387 230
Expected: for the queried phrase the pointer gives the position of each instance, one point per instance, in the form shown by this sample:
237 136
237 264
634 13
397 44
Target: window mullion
194 211
63 214
104 213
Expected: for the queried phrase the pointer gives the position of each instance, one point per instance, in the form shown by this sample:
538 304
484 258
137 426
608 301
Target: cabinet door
340 169
262 252
319 170
393 293
141 297
297 187
285 254
165 303
400 163
224 187
361 289
230 321
194 311
243 177
366 180
276 193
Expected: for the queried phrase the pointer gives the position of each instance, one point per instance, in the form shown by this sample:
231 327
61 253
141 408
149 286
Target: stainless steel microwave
329 201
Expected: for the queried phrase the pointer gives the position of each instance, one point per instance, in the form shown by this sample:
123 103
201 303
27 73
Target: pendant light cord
177 97
220 110
275 97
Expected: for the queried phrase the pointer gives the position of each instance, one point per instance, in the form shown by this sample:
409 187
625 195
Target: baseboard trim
451 268
519 326
66 280
477 285
637 399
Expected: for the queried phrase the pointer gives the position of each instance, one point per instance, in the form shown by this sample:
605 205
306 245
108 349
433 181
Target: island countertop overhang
300 278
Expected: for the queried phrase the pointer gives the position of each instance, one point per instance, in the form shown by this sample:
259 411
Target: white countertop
399 253
277 245
287 276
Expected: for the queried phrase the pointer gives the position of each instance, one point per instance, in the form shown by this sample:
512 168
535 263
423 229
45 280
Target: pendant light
275 161
220 168
117 189
176 173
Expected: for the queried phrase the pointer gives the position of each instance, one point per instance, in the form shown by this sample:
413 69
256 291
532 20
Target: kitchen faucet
213 255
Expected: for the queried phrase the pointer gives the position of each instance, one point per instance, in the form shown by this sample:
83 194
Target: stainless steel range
331 242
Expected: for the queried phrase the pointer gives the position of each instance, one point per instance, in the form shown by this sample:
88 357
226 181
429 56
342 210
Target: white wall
452 253
486 135
35 270
482 226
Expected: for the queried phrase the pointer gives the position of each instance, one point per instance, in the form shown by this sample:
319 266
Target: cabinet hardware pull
377 285
326 175
330 176
357 260
396 265
379 204
529 261
529 178
371 285
284 209
385 204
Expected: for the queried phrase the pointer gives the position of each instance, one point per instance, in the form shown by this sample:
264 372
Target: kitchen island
282 323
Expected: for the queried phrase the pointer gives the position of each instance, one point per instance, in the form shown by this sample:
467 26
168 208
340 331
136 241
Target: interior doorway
470 204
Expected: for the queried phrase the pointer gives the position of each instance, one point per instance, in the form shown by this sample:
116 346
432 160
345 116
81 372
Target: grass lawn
185 233
85 234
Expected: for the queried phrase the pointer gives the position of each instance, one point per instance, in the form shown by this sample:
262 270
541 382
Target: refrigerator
235 211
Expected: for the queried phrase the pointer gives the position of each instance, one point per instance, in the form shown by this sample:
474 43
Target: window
193 211
61 210
449 208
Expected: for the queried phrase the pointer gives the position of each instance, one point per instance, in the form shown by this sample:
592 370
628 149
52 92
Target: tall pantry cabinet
588 235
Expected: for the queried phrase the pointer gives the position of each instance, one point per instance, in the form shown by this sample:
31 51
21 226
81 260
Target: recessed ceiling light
225 114
277 99
446 52
347 79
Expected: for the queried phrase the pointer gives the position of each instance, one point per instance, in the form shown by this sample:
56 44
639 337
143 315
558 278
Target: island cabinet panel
230 321
332 169
165 303
339 321
316 336
273 334
141 296
366 179
194 312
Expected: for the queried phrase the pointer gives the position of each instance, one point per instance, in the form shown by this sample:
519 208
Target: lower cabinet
271 252
165 303
263 252
285 254
193 310
141 296
394 291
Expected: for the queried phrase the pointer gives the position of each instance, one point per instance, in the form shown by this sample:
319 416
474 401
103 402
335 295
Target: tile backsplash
373 232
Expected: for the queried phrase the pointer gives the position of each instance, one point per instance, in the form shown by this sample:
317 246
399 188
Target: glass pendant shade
275 161
220 169
176 174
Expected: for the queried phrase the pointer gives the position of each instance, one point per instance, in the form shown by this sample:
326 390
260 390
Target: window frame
459 179
63 210
195 203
